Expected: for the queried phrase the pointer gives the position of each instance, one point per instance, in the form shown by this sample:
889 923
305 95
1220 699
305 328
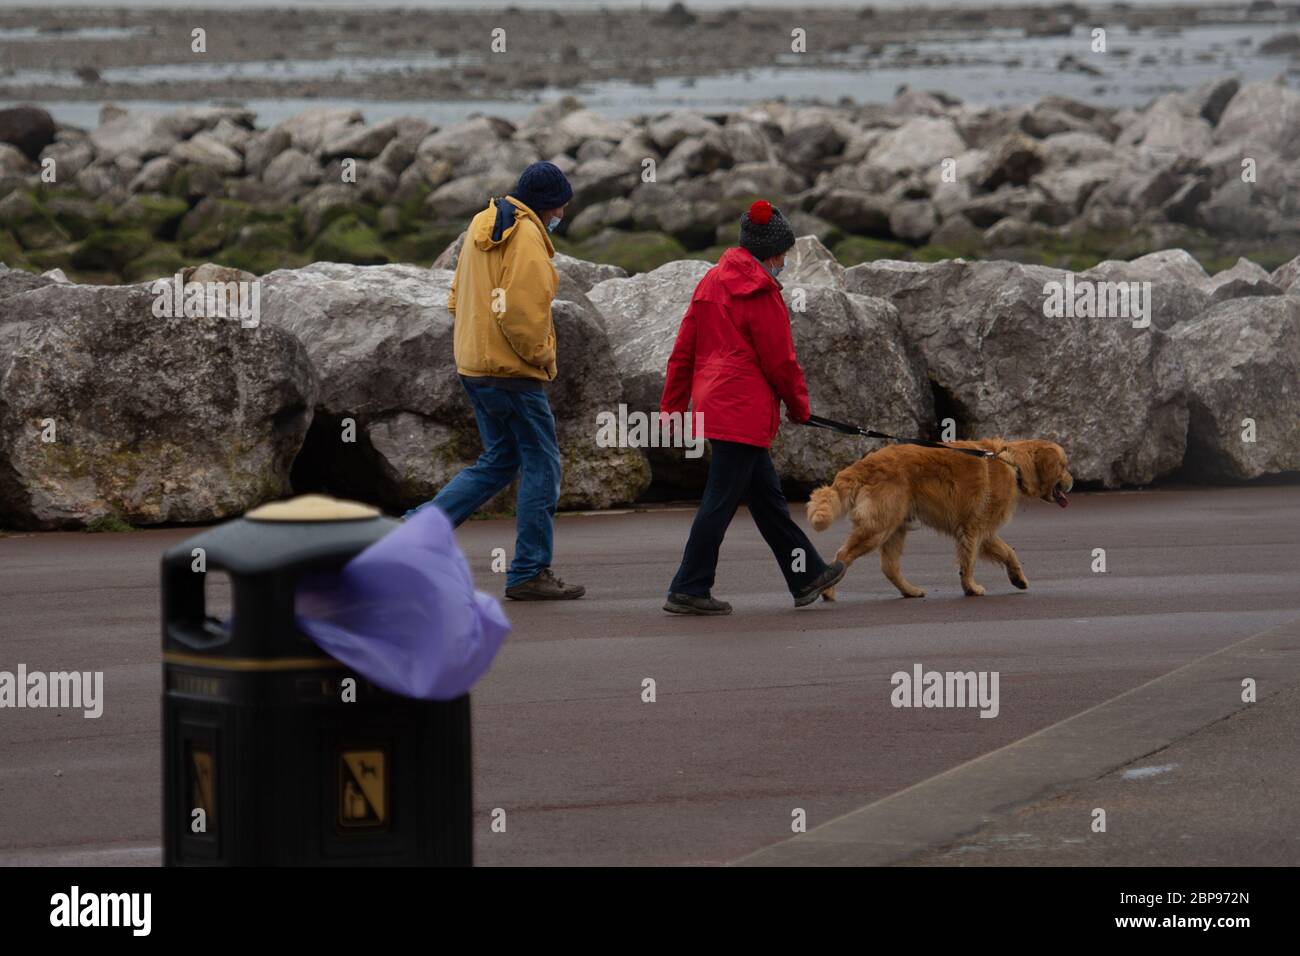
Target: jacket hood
484 224
742 274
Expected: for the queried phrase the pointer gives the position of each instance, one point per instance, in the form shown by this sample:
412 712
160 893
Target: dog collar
1020 484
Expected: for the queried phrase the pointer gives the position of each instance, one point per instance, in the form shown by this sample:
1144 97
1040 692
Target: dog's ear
1048 465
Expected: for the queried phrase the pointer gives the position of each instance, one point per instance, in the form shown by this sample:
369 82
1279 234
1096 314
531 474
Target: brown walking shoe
690 604
545 587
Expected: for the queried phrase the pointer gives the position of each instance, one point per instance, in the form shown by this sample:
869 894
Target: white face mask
776 270
552 223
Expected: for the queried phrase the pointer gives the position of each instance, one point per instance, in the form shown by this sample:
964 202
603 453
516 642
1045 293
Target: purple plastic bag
404 612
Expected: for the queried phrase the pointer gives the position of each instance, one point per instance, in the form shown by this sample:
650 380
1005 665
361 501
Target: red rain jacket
734 358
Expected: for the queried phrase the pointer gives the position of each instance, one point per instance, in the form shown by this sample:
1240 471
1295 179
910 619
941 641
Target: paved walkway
757 716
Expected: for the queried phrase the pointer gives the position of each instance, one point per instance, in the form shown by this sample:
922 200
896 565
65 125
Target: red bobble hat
764 231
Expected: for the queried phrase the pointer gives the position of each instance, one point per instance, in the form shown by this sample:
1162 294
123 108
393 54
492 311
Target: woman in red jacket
734 360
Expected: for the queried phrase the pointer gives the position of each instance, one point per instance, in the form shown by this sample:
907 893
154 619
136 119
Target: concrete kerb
1090 744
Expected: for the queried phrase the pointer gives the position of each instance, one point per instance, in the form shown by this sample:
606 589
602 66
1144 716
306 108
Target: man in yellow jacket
505 353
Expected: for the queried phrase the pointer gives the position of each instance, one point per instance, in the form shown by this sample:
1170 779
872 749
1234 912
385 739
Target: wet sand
383 55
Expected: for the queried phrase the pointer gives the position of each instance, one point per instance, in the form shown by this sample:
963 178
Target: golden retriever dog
889 491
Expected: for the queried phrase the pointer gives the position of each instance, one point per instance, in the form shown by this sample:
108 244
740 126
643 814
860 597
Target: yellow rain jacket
501 298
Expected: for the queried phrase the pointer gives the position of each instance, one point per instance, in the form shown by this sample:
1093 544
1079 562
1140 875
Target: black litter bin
265 763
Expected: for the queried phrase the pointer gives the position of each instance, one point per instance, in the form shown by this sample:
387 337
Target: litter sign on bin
363 795
203 784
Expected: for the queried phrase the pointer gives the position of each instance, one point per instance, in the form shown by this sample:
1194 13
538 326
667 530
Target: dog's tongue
1061 500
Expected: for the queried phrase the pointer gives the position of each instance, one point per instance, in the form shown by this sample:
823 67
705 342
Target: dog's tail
826 504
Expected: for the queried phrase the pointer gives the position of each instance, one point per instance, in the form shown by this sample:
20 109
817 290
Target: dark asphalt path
757 715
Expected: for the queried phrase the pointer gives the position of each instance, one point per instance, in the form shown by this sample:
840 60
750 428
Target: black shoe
827 579
545 587
690 604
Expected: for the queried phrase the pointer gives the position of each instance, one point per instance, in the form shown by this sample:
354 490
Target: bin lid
312 508
311 531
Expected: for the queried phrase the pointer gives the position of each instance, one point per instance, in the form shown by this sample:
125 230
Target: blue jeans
518 430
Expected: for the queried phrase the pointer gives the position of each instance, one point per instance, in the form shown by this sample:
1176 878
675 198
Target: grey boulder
381 338
1242 364
1110 394
154 419
1177 285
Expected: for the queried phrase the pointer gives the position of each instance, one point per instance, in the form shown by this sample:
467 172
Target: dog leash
816 421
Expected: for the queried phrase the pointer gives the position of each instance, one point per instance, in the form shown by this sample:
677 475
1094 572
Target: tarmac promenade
1119 690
